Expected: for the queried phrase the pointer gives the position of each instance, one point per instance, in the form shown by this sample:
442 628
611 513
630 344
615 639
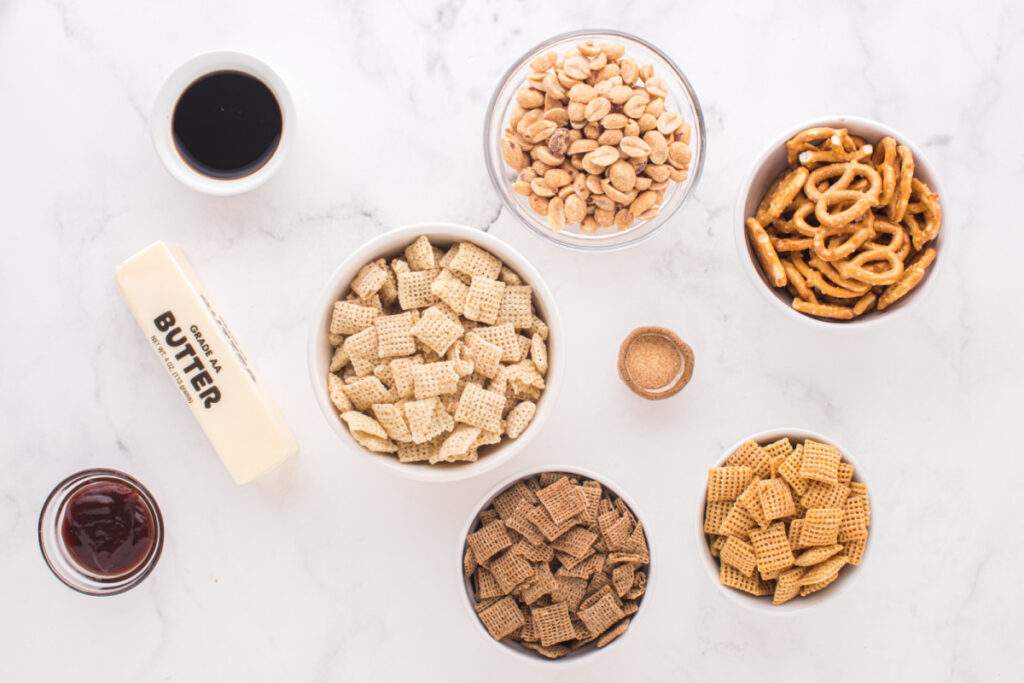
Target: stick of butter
204 360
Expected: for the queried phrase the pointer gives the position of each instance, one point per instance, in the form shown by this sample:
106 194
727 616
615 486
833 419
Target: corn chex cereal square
714 514
790 471
815 587
817 555
823 571
349 318
414 289
751 455
394 335
552 624
480 408
787 586
781 447
484 299
502 618
776 499
517 307
731 577
820 462
750 501
737 523
822 495
854 525
727 483
488 541
820 527
771 546
562 500
436 330
470 260
739 554
450 290
854 550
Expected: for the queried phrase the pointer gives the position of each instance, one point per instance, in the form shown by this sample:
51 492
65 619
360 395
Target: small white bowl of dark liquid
222 123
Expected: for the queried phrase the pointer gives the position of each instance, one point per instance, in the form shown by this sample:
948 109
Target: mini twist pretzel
815 279
792 243
859 234
927 204
884 159
810 139
847 173
897 236
901 198
854 268
864 304
781 193
854 205
912 277
766 253
834 155
829 271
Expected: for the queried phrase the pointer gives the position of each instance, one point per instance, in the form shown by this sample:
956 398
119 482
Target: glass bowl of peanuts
829 274
594 139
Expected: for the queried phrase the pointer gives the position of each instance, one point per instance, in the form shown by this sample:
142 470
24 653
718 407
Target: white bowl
771 162
763 604
161 121
466 586
391 244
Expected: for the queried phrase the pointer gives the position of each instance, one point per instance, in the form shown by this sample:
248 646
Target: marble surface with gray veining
333 569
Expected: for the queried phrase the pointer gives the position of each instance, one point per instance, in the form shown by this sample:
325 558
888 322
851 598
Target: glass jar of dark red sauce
101 532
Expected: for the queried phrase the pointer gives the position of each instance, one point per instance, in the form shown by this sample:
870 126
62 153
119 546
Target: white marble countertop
332 569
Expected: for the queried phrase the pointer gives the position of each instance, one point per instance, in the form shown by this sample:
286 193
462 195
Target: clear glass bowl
59 559
682 98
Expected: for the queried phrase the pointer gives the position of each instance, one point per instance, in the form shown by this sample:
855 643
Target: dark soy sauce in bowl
227 124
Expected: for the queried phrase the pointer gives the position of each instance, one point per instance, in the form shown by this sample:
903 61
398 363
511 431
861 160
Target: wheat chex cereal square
502 618
731 577
790 471
615 529
570 590
394 335
540 518
562 500
366 391
622 578
434 379
601 615
517 307
552 624
727 483
751 455
436 330
471 260
488 541
771 546
521 524
484 299
577 542
480 408
487 587
349 318
739 554
737 522
450 290
820 462
369 280
534 553
505 502
543 583
820 527
414 289
420 254
776 499
510 570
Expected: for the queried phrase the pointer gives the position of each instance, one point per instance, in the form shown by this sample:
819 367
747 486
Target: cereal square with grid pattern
502 618
349 318
434 379
820 527
503 336
427 419
733 578
727 483
484 299
820 462
366 391
601 615
750 500
420 254
369 280
562 500
414 289
510 570
776 499
751 455
790 471
552 624
737 523
822 495
771 546
436 330
488 541
714 515
739 554
471 260
480 408
394 335
517 307
450 290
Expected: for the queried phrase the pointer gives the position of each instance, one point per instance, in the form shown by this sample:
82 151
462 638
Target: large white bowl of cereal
435 349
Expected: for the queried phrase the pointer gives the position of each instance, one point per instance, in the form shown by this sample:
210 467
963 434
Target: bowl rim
696 167
370 250
748 259
763 605
465 589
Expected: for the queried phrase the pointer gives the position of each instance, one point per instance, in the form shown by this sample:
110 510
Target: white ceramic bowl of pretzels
322 352
839 222
846 556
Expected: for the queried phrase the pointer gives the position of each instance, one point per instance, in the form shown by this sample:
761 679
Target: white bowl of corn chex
436 350
784 521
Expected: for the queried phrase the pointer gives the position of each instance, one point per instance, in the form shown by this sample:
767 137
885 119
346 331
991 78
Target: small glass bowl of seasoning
655 363
101 532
